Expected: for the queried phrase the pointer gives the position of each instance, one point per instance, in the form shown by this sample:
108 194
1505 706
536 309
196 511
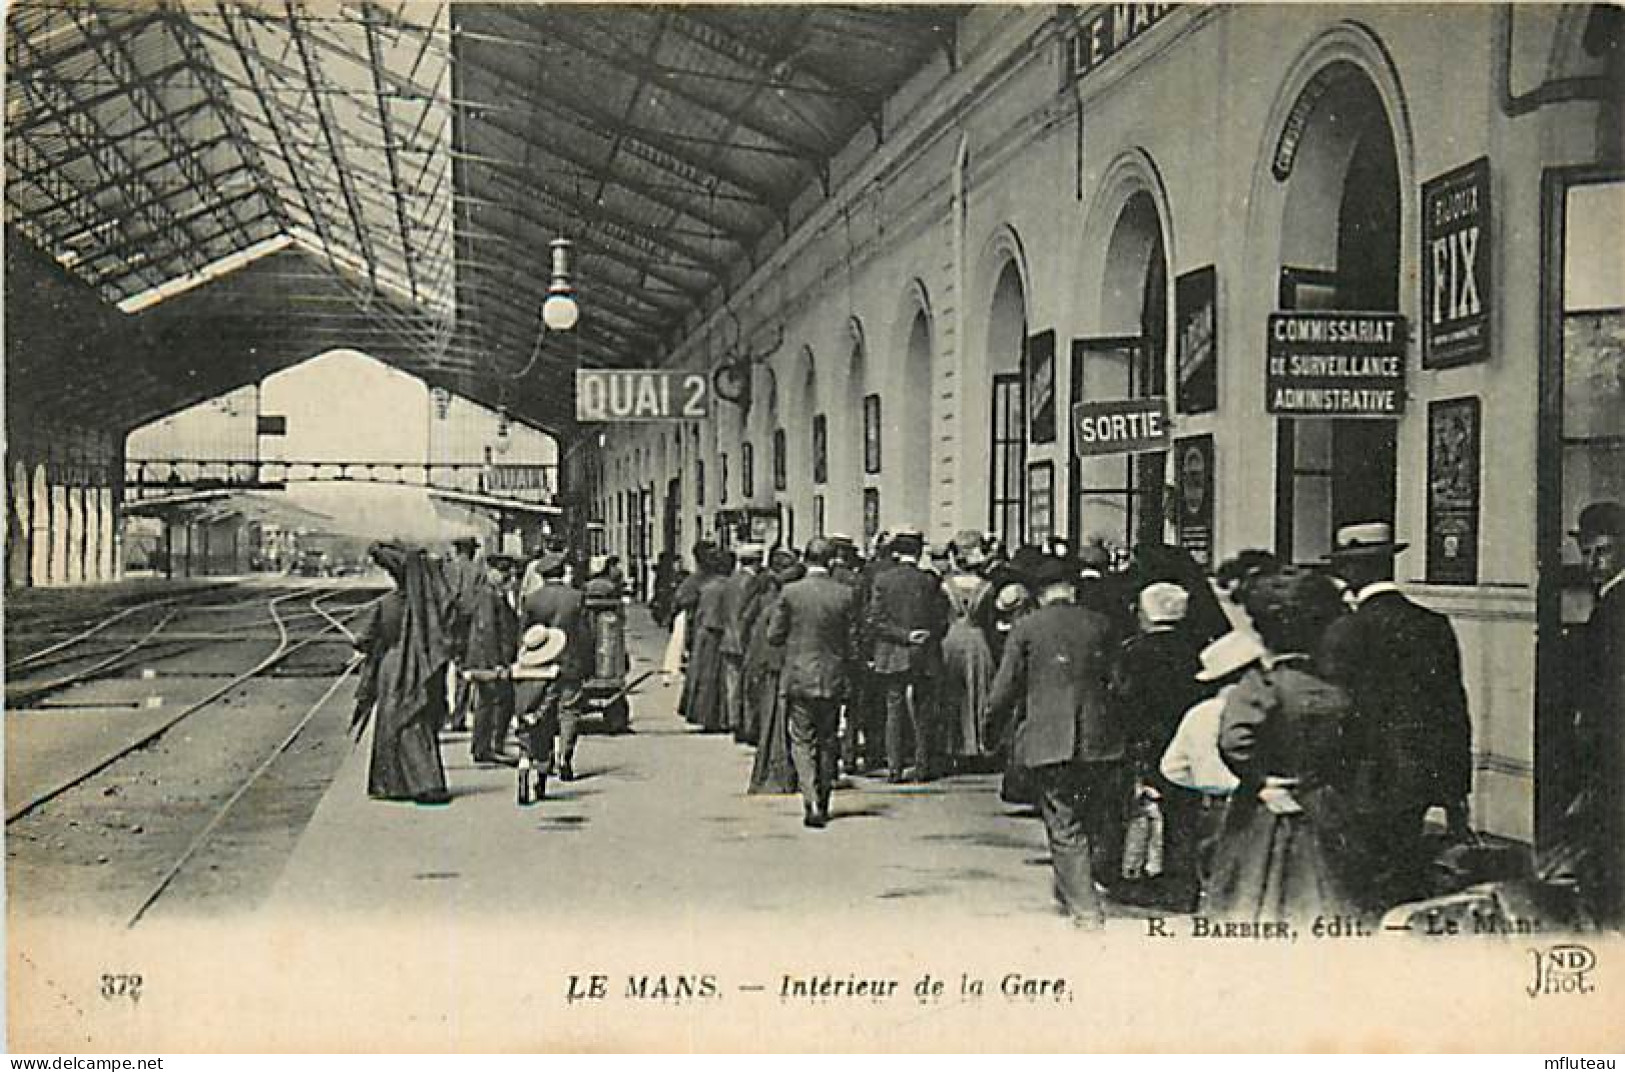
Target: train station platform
658 826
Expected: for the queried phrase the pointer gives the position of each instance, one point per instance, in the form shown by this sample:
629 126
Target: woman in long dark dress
1287 851
772 771
407 642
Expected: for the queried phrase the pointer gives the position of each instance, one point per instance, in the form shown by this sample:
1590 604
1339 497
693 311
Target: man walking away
465 577
1413 740
738 595
1055 671
816 622
907 619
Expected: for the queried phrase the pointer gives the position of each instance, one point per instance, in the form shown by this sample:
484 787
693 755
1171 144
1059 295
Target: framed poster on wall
780 470
1453 491
1193 477
871 434
820 449
1041 387
1196 346
1457 287
871 514
1040 502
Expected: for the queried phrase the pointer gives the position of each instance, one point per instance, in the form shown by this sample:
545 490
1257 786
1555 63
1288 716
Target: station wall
1018 197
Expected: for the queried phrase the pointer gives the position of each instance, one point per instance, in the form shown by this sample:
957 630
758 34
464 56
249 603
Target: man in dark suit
555 705
493 640
466 577
1599 717
862 733
906 621
738 595
1054 676
816 622
1412 739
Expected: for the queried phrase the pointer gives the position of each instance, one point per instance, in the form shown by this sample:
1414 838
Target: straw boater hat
1365 540
541 644
1231 652
751 552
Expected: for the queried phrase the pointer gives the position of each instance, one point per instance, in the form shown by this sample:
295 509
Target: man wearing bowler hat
906 619
1599 715
1412 737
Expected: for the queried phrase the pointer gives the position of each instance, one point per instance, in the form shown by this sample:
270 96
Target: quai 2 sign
641 395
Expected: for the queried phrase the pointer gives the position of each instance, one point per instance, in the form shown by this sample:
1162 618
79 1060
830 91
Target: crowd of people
1273 762
1266 743
506 642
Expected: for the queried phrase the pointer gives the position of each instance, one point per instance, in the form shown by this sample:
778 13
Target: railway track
105 655
332 630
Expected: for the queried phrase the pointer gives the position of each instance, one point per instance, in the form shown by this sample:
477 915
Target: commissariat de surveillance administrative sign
1335 364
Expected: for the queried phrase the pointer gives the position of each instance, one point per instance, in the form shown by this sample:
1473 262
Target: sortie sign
1122 426
1335 364
641 395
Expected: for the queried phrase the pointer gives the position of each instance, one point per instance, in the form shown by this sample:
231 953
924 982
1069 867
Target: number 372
121 986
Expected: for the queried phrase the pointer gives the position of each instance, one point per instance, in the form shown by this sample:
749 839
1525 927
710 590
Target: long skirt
759 682
1277 868
406 753
773 771
705 682
967 682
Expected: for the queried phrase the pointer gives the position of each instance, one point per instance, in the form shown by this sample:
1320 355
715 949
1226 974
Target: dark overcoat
1058 660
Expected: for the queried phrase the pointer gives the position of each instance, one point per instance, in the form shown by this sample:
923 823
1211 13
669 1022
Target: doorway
1581 463
1340 250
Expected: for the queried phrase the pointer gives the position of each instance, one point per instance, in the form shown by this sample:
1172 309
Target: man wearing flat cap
1599 716
1412 740
493 638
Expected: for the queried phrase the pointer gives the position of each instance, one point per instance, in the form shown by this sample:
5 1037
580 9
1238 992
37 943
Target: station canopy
254 183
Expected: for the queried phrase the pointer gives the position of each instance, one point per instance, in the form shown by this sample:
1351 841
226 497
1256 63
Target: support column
57 567
19 534
73 565
39 558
